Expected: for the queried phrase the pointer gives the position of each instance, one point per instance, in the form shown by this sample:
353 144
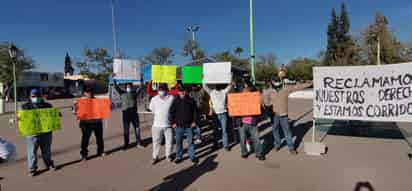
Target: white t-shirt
7 150
160 108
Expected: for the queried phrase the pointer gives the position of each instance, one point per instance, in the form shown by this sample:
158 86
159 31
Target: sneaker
170 159
178 161
277 148
194 161
140 146
103 155
244 156
262 158
293 152
227 149
83 158
53 168
198 141
32 173
154 161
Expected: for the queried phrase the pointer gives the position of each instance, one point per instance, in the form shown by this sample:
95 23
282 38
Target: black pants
133 118
87 130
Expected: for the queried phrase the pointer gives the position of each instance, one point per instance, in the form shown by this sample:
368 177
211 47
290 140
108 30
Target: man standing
42 141
160 106
183 116
129 111
88 127
218 99
277 97
197 94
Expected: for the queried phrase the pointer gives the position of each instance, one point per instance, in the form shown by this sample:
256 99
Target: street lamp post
193 29
13 55
252 41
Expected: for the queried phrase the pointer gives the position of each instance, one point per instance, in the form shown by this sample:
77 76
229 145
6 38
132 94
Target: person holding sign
160 106
88 127
183 116
42 141
218 99
249 126
277 97
129 112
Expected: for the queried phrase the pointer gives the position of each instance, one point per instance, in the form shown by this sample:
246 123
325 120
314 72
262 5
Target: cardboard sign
147 72
244 104
97 108
370 93
164 74
125 69
38 121
217 73
192 74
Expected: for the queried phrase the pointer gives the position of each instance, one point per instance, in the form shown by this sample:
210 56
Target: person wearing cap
88 127
129 112
183 116
277 97
160 106
42 141
249 127
218 99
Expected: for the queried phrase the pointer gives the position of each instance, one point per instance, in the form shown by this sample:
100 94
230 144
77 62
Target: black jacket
183 112
41 105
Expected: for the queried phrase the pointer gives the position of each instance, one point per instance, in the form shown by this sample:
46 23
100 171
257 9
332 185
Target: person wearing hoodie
249 127
160 106
184 117
129 112
42 141
218 99
88 127
277 98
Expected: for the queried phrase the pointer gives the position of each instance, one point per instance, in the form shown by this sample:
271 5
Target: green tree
192 48
68 68
266 67
391 48
23 63
227 56
97 64
160 56
238 51
332 47
301 68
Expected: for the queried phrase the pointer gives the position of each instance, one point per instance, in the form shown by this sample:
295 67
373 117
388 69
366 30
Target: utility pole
252 41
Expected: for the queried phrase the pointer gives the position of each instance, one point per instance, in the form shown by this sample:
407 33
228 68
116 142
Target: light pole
252 42
13 55
193 29
115 52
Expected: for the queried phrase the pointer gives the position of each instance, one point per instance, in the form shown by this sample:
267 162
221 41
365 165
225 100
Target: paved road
379 160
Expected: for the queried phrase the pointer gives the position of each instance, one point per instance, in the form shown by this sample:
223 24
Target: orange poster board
244 104
97 108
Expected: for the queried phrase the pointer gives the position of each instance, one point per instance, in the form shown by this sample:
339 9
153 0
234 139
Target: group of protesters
177 112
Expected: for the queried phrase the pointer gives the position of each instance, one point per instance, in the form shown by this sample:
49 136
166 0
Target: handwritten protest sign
126 69
370 93
217 73
244 104
163 74
192 74
98 108
37 121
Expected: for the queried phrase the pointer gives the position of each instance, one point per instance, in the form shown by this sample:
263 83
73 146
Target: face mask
162 93
35 100
128 90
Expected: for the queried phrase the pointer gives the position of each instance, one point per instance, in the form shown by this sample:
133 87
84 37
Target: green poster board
192 74
37 121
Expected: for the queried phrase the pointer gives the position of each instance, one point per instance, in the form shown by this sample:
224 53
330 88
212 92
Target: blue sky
46 29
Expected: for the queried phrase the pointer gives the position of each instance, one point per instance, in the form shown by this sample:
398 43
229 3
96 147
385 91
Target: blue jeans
180 131
42 141
221 121
132 118
282 122
254 137
197 133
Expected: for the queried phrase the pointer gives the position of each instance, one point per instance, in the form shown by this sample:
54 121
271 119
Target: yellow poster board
37 121
164 74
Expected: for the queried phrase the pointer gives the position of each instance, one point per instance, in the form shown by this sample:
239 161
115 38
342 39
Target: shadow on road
184 178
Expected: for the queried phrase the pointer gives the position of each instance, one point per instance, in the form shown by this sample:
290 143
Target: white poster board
115 98
126 69
217 73
369 93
